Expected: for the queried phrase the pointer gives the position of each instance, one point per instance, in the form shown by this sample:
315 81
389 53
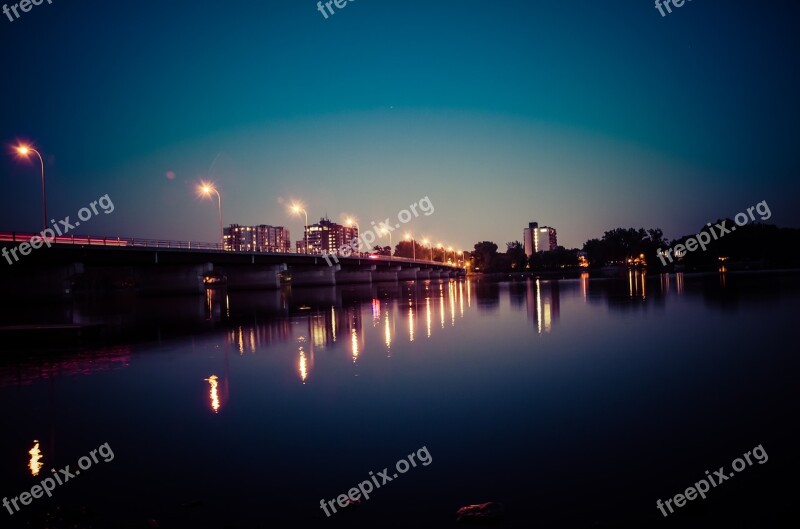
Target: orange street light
430 246
24 150
413 245
297 209
206 189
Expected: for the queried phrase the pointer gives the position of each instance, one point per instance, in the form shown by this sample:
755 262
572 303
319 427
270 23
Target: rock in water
481 512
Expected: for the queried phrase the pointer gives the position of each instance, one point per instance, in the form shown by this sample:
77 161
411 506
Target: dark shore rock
488 512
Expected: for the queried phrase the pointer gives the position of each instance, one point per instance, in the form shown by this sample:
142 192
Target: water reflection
284 344
35 464
318 319
637 284
543 303
213 382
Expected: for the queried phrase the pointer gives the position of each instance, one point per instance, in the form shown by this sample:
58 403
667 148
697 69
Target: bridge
81 263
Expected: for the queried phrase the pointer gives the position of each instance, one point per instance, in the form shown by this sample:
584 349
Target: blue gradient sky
582 115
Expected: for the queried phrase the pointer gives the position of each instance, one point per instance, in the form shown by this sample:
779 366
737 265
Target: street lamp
413 245
297 209
352 222
24 151
461 254
444 254
385 231
450 249
206 189
430 246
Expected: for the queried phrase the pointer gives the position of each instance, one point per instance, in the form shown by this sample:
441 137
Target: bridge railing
17 237
83 240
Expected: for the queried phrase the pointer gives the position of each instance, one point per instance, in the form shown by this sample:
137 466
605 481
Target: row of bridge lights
208 190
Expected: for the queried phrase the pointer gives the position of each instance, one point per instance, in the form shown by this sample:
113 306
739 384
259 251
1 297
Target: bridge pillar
435 274
40 282
355 275
253 276
423 274
407 273
313 277
386 274
171 278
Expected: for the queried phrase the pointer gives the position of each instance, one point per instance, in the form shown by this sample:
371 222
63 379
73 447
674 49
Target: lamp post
24 151
297 209
430 246
384 231
444 254
206 189
413 245
450 249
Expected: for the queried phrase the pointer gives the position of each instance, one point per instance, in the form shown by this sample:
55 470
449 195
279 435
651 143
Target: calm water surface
576 403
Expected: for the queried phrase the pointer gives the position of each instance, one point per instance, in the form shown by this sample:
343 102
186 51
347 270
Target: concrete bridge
172 267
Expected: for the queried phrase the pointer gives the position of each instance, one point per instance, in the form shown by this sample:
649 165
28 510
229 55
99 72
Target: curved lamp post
297 209
207 190
24 151
413 245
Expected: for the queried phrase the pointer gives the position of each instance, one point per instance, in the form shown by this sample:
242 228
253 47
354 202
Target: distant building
260 238
326 237
539 239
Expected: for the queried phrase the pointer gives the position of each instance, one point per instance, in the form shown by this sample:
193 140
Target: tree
406 249
382 250
485 252
516 256
622 245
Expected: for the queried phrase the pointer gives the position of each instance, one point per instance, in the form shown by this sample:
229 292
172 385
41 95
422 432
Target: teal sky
580 115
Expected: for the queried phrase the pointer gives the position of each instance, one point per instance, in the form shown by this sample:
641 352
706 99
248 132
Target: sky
580 115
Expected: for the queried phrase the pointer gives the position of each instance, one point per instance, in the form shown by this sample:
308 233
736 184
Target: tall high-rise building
539 239
261 238
326 237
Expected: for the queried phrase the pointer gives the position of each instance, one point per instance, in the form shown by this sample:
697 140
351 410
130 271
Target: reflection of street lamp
205 190
24 151
352 222
297 209
413 245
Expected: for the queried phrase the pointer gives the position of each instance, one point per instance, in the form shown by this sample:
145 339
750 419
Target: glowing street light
25 150
385 231
430 246
450 249
413 245
297 209
206 189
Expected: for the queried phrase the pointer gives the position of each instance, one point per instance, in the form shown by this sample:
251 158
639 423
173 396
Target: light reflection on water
461 366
